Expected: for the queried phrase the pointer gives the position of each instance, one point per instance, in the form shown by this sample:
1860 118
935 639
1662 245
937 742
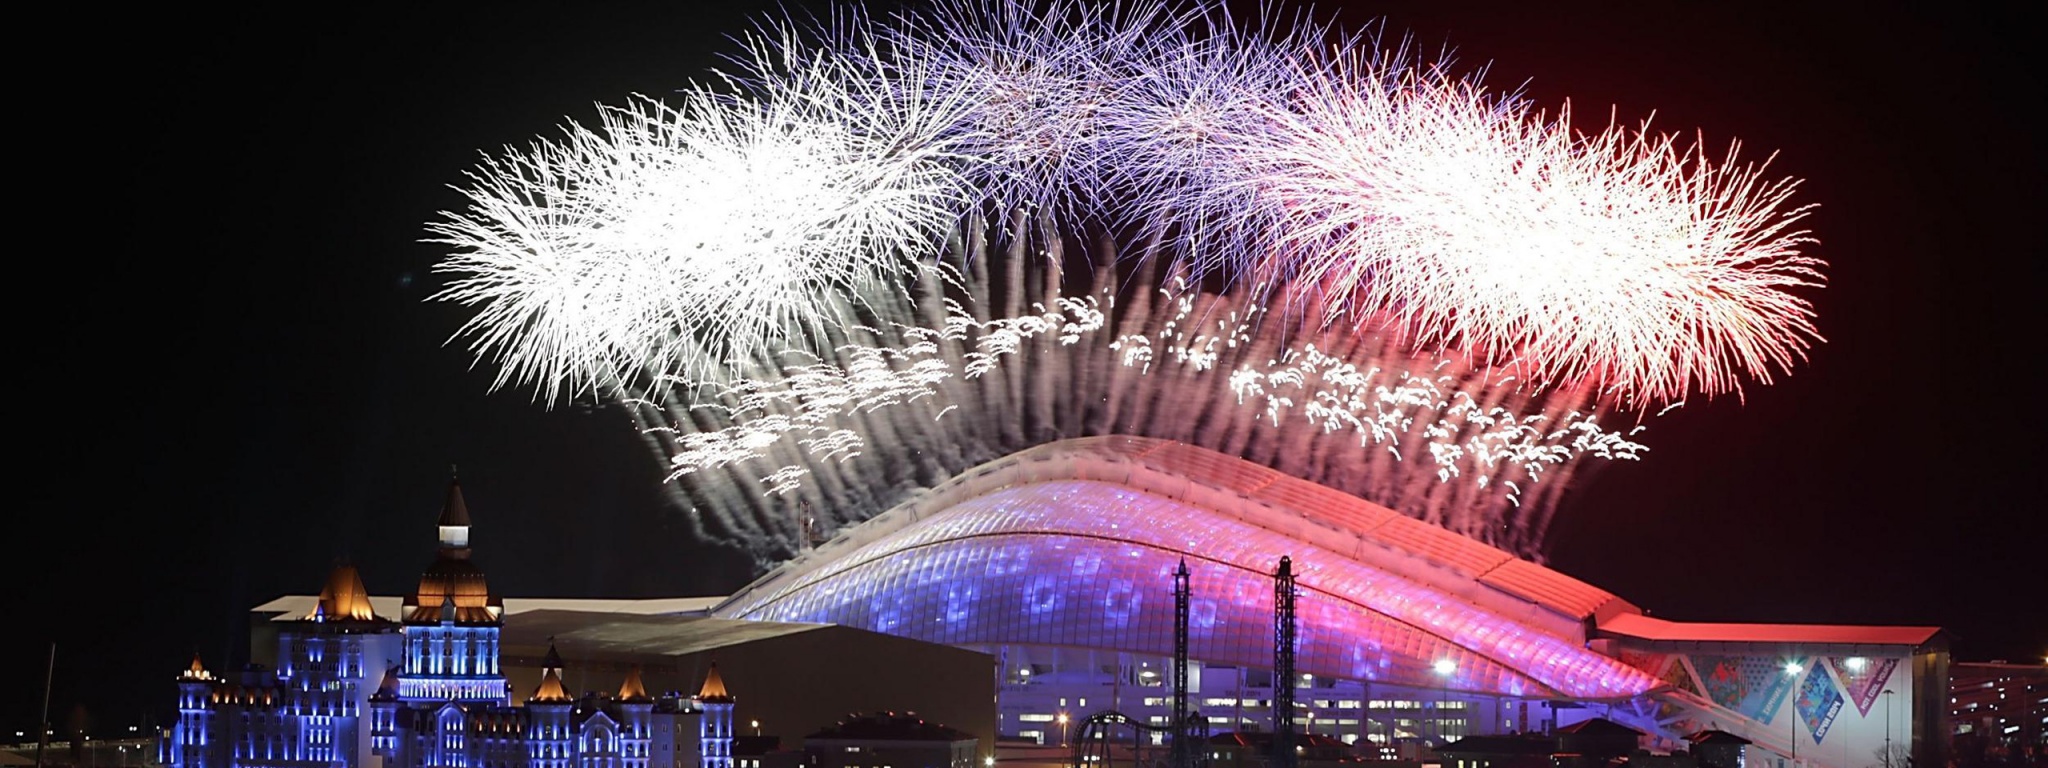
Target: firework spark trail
909 405
1462 288
1040 78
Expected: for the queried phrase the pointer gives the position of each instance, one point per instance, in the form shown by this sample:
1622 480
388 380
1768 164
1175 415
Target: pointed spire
387 690
453 510
714 688
197 671
554 659
343 598
551 690
632 689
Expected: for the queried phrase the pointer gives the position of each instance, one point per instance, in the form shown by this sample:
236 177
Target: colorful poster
1722 676
1818 703
1754 686
1864 679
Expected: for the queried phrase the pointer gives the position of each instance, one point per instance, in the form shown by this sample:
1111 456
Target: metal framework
1183 754
1094 747
1283 665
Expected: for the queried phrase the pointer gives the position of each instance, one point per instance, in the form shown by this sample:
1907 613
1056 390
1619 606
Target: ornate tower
550 734
330 662
452 622
636 721
714 737
191 740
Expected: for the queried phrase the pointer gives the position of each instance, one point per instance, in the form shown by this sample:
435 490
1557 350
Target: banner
1751 685
1864 685
1818 702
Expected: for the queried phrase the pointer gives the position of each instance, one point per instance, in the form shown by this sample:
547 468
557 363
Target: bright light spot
1445 667
1793 668
1856 663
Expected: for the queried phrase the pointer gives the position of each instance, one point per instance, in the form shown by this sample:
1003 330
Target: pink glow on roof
1646 628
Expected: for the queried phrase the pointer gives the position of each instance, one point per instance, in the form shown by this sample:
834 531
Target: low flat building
891 740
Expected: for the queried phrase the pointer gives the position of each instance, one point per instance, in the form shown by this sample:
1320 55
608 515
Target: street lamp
1887 728
1444 669
757 728
1063 728
1792 670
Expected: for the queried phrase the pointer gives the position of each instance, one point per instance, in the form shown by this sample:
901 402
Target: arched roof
1073 544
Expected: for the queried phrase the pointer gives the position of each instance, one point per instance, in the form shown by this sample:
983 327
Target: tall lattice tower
1183 752
1283 665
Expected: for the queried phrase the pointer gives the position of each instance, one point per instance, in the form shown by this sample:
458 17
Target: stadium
1102 339
1059 562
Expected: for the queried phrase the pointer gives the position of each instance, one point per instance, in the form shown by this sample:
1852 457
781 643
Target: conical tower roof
632 689
714 687
343 598
388 689
452 576
197 671
551 690
554 658
453 510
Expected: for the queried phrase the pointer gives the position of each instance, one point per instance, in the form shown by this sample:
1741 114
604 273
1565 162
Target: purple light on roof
1065 563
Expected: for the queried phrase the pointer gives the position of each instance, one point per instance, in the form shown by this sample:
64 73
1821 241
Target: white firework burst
1617 258
694 238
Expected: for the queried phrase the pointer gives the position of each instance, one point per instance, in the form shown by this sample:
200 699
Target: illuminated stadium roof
1073 544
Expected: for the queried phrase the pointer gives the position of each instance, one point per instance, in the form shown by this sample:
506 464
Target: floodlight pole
1887 727
49 674
1792 669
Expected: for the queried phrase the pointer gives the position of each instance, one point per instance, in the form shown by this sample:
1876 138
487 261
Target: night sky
232 378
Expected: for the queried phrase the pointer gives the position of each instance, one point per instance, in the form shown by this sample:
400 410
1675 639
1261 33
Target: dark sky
242 381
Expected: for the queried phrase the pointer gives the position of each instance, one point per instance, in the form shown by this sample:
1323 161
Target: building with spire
352 688
452 621
452 675
311 710
630 729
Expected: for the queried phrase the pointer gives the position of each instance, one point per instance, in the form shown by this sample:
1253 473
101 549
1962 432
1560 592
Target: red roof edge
1646 628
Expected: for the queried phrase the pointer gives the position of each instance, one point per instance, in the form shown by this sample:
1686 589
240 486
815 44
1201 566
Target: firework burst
1617 258
695 238
842 275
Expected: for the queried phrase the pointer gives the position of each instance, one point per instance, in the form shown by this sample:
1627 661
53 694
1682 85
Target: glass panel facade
1089 564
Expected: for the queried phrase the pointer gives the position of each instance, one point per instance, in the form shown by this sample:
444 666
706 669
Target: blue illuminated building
439 696
311 710
715 729
452 623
